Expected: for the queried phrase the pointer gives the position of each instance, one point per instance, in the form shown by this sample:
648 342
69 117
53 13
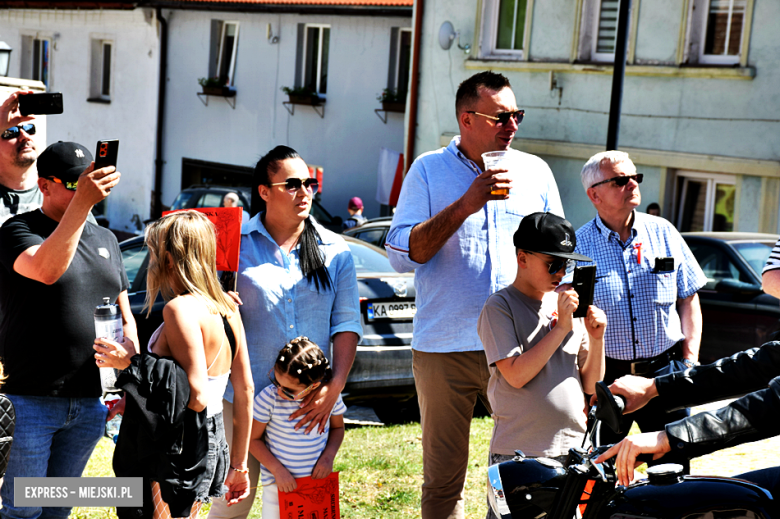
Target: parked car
374 231
382 373
211 196
737 314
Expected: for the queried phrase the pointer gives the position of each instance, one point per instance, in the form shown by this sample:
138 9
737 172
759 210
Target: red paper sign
227 221
311 499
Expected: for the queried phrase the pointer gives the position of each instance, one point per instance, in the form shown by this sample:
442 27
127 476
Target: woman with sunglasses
295 278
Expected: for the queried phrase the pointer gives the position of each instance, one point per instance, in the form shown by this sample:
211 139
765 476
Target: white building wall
346 142
131 115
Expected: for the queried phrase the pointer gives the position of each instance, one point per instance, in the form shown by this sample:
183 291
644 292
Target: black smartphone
584 280
40 104
664 264
106 153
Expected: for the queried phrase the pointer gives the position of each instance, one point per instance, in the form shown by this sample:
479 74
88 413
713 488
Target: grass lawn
381 470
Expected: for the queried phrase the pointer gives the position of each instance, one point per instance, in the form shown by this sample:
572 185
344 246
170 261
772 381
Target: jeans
54 437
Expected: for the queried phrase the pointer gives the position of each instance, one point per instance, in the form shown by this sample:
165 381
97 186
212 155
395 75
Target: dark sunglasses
554 266
502 118
293 184
14 131
622 180
289 394
70 186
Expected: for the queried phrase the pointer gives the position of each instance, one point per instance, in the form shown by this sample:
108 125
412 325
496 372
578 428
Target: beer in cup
499 159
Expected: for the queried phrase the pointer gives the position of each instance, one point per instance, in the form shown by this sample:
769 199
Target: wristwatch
689 363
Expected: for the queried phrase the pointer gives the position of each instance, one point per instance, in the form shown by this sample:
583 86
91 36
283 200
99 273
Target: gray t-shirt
546 417
18 202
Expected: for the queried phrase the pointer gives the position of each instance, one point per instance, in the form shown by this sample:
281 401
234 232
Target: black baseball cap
64 160
548 233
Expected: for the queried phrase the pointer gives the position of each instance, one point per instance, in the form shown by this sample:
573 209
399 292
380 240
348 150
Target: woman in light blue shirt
295 278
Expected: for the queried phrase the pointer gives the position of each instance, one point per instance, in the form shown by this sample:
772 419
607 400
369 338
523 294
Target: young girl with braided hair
286 453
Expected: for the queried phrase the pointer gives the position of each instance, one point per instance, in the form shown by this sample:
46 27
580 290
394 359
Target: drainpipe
411 130
158 160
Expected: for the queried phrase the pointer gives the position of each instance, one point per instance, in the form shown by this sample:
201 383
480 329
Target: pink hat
355 203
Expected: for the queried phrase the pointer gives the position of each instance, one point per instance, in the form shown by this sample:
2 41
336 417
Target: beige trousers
219 507
448 385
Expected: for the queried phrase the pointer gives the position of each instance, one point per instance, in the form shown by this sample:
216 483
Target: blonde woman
202 335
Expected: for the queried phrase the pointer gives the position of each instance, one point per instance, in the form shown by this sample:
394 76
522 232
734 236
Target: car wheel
393 412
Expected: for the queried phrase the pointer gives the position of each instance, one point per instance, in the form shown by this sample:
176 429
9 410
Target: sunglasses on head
621 181
14 131
70 186
293 184
286 392
554 266
502 118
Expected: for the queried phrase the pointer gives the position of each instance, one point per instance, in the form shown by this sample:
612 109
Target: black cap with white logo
548 233
64 160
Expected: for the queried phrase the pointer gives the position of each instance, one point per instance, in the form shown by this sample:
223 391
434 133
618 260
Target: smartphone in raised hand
584 281
40 104
106 153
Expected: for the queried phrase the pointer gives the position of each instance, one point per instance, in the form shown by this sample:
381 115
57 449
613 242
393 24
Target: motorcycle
536 488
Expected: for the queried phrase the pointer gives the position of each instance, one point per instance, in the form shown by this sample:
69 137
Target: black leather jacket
750 418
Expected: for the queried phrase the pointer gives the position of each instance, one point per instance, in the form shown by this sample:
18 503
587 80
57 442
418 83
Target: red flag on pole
227 221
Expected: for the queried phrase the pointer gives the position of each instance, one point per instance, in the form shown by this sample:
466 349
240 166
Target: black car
382 373
211 196
374 231
736 313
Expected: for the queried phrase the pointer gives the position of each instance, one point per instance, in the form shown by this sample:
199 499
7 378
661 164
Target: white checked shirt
642 318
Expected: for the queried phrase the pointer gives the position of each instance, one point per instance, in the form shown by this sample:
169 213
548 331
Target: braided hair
303 360
312 257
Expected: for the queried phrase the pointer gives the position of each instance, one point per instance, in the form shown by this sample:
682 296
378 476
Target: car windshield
181 201
369 260
755 253
133 257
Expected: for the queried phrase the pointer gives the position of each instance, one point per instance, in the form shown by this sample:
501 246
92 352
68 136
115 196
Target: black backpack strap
231 338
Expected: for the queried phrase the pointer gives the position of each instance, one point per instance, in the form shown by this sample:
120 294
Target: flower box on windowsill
223 91
302 99
394 106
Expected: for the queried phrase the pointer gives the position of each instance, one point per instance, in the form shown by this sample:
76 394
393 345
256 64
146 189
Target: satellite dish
447 35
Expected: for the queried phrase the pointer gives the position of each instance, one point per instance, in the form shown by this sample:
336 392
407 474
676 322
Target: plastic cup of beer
498 159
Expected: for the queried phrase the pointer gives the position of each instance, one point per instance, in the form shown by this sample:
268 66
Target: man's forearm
344 349
690 319
428 237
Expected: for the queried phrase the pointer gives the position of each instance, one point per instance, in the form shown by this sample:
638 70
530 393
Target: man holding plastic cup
456 233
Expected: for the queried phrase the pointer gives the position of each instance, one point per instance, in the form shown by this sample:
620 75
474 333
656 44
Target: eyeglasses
286 392
554 266
71 186
293 184
14 131
622 180
503 117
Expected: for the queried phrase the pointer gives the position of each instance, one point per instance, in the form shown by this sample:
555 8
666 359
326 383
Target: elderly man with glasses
454 225
646 281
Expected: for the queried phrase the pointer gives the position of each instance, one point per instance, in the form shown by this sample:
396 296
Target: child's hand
595 322
323 468
568 301
284 480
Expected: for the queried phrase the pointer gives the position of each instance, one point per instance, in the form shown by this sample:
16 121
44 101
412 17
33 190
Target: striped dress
296 450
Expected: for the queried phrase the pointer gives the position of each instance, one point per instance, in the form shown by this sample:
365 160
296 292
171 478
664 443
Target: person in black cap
541 359
56 268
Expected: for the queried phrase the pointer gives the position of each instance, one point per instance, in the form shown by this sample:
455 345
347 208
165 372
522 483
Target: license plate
391 311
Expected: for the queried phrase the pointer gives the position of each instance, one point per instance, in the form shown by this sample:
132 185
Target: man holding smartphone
19 191
647 279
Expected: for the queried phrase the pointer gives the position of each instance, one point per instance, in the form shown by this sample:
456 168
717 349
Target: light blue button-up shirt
280 304
478 259
642 318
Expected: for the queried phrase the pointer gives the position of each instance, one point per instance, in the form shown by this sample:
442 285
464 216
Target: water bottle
113 425
108 325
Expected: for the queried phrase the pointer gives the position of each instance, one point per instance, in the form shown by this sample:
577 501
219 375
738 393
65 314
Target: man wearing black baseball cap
541 359
55 268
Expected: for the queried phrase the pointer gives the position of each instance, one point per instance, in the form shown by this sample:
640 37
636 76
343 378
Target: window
36 59
717 32
705 201
312 59
606 30
597 35
400 59
224 47
100 78
506 28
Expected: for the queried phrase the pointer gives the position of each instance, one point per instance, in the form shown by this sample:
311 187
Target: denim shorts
218 462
